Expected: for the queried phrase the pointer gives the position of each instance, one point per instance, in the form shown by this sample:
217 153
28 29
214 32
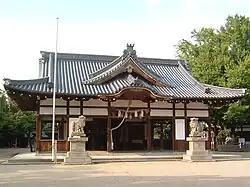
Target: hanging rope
129 104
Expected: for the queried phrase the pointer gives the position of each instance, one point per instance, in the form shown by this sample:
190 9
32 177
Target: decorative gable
127 63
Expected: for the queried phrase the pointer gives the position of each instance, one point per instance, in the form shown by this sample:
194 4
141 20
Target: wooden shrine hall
130 103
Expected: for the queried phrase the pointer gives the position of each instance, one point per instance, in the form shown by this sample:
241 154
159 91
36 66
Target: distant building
162 96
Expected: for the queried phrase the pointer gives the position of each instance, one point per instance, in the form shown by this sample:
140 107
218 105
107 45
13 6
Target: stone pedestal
197 150
77 153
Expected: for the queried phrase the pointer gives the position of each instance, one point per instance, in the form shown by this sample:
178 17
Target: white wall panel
180 130
95 102
197 105
74 103
95 111
74 111
48 110
124 103
163 113
179 113
179 105
48 102
48 118
197 113
161 105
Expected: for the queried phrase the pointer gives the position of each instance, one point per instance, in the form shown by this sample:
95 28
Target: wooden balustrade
46 145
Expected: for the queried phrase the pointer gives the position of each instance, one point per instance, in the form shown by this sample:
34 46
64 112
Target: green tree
14 123
25 124
222 57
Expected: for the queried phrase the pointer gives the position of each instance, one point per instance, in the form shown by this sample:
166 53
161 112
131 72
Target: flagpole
54 98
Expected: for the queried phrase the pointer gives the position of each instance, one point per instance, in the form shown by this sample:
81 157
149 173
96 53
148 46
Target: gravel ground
159 174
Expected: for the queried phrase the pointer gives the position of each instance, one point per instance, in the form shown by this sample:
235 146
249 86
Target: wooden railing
46 145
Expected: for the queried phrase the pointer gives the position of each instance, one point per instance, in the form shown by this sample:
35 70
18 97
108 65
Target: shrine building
130 103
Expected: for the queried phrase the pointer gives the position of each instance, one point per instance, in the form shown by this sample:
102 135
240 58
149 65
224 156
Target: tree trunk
233 131
16 143
216 134
30 143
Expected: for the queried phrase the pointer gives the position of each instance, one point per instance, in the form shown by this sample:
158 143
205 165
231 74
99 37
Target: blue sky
101 27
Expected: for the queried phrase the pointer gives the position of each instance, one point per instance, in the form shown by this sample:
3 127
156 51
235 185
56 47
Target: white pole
54 98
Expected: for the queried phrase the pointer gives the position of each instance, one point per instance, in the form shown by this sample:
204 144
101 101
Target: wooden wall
96 107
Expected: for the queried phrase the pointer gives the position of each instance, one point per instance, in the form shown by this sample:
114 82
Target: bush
222 135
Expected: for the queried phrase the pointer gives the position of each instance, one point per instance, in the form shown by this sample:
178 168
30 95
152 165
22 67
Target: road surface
156 174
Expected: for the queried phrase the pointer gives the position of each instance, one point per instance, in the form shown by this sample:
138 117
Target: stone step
31 161
117 158
109 160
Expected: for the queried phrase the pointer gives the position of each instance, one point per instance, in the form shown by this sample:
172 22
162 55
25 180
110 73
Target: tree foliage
14 123
222 57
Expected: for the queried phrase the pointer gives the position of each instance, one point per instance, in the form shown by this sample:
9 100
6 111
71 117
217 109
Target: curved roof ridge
157 76
107 70
104 71
190 76
137 83
27 81
235 90
107 67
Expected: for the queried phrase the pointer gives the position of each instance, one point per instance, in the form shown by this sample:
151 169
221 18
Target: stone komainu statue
196 128
78 126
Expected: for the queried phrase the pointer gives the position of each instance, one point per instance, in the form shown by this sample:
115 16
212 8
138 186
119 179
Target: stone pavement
5 154
140 174
104 157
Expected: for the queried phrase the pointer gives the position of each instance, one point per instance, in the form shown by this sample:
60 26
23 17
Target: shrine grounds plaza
171 173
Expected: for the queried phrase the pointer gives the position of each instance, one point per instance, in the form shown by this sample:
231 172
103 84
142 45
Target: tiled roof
74 71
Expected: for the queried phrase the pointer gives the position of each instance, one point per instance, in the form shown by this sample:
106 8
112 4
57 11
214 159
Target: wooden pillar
67 113
81 107
209 126
162 140
215 135
38 126
67 146
109 139
173 128
149 134
122 138
186 125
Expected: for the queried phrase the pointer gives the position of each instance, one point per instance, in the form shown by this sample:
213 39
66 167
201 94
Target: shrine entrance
130 136
130 128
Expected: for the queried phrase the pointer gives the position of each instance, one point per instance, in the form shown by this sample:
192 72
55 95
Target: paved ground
216 174
5 154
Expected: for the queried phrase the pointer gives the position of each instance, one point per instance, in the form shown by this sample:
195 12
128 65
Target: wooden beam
109 138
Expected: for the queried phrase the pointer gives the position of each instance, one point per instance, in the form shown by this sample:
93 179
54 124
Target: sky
101 27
